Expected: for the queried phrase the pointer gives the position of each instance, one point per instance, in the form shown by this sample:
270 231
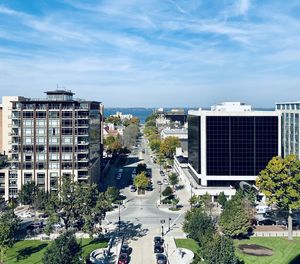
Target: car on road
132 188
123 258
162 173
26 215
158 240
267 222
126 249
158 248
149 187
161 259
159 182
165 181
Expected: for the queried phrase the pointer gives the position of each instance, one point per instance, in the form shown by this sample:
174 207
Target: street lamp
119 217
160 194
191 192
162 226
169 224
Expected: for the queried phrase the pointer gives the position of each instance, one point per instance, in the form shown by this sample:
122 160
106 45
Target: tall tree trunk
290 225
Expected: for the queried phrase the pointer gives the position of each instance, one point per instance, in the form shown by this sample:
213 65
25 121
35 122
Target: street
141 215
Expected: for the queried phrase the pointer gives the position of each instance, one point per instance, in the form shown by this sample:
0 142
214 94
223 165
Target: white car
165 181
26 215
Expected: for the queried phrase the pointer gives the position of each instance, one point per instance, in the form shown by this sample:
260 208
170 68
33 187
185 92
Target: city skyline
152 53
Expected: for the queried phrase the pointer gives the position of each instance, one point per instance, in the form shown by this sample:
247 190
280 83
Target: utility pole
159 194
119 218
162 227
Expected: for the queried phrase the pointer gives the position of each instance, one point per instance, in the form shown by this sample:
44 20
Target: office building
290 112
47 139
231 143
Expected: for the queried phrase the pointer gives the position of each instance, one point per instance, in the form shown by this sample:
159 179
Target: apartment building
47 139
290 133
231 143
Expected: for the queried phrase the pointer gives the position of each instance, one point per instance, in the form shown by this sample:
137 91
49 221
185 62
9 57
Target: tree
222 199
27 193
141 181
175 201
77 203
155 145
167 192
112 193
113 144
235 219
198 225
9 224
63 250
195 201
173 179
130 135
168 146
219 250
280 182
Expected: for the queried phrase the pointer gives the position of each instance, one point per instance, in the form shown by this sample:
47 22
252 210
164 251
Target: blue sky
153 52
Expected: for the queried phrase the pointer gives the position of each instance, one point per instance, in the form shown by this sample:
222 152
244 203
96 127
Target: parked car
126 249
123 258
35 225
266 222
158 240
26 215
132 188
161 259
158 248
159 182
165 181
149 187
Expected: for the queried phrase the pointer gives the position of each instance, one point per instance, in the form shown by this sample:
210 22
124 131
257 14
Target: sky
152 53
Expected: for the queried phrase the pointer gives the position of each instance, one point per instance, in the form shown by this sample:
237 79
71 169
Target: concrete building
180 133
290 133
231 143
47 139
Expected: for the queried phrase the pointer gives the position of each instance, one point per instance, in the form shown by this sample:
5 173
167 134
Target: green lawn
188 244
285 252
32 251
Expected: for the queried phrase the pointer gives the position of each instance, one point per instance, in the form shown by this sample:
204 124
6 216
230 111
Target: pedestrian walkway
177 255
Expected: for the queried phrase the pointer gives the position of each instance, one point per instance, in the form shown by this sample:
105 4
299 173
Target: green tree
113 193
77 203
168 146
141 181
9 224
198 225
280 182
195 201
219 250
235 218
130 135
63 250
27 194
155 145
167 192
173 179
222 200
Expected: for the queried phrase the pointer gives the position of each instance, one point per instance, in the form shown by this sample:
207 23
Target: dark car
149 187
158 248
161 259
126 249
159 182
123 258
266 222
158 240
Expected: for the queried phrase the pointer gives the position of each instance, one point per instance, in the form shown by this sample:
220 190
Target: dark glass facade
240 145
194 142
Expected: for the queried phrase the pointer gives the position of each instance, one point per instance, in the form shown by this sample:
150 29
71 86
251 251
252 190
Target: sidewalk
177 255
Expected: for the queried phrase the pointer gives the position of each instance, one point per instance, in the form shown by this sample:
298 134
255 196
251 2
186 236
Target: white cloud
242 6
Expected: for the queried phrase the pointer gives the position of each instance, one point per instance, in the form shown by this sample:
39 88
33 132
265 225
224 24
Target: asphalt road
139 214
